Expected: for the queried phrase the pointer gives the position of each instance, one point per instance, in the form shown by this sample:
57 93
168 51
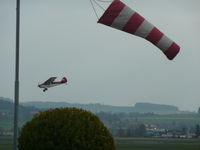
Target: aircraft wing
50 80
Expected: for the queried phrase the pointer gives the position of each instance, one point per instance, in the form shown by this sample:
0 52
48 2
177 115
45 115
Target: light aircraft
51 83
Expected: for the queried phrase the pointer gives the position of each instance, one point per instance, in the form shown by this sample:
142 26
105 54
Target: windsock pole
16 102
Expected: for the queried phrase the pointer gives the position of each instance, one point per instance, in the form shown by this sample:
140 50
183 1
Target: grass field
136 144
5 143
157 144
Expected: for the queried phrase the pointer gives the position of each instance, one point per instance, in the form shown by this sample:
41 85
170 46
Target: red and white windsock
121 17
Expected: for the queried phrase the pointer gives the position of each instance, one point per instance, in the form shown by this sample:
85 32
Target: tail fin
64 80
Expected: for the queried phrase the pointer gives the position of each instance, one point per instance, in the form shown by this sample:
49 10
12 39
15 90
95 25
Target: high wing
49 80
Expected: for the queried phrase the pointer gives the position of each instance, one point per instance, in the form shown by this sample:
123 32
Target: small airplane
51 83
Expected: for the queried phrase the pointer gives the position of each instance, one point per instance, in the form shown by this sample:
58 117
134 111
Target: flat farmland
5 143
135 144
156 144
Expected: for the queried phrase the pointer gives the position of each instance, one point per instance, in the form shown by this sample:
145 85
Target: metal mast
16 103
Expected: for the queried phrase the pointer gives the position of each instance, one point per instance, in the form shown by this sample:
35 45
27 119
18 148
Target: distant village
154 131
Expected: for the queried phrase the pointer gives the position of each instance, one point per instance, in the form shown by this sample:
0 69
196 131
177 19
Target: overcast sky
103 65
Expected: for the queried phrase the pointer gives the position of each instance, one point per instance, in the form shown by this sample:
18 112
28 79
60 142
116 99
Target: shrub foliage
65 129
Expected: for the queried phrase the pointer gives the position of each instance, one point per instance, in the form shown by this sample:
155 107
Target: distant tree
130 132
140 130
199 110
65 129
184 130
121 132
1 130
197 130
108 117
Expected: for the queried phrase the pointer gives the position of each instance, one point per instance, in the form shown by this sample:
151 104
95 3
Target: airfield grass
157 144
135 144
5 143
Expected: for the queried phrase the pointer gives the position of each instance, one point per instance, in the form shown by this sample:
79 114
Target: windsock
121 17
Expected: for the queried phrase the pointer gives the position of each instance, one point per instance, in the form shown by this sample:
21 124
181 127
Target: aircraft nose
39 86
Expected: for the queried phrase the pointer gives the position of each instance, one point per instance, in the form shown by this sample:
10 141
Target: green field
5 143
136 144
157 144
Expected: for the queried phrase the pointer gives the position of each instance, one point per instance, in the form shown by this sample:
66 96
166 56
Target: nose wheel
45 89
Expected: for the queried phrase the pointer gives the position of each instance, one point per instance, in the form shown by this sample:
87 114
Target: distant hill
155 107
28 107
139 107
90 107
7 110
8 105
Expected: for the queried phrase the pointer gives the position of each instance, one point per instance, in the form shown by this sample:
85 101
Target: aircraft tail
64 80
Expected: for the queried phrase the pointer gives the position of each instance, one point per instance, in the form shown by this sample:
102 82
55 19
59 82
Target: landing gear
45 89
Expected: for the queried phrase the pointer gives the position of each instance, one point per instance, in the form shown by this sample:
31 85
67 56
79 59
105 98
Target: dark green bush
65 129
